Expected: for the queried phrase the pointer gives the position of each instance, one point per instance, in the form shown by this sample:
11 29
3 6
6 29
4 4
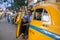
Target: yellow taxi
45 24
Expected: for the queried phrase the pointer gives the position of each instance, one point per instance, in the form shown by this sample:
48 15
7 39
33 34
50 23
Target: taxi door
35 31
18 25
18 33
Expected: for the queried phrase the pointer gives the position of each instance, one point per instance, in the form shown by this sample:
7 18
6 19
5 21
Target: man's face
28 12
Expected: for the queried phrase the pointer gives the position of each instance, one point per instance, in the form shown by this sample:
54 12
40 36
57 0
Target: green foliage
17 4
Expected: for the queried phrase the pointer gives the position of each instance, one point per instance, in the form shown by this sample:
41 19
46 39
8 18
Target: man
27 15
26 18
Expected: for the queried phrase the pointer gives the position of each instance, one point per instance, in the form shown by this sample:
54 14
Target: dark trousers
24 28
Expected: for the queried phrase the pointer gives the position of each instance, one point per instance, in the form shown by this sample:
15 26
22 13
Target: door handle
45 25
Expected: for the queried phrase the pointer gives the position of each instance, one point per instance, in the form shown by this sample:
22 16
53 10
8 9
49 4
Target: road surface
7 30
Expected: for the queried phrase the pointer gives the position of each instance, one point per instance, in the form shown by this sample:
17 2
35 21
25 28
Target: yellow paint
18 26
53 11
35 35
18 18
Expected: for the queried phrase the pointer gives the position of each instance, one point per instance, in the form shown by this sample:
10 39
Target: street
7 30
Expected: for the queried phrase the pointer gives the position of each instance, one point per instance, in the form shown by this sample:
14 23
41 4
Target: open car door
18 26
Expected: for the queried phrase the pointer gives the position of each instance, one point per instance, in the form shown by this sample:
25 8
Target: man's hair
29 10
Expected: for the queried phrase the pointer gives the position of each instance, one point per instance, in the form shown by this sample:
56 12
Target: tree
17 4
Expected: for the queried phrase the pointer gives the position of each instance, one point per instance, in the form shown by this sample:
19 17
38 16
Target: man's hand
26 24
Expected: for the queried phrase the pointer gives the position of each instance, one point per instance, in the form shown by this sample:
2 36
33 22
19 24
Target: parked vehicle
1 14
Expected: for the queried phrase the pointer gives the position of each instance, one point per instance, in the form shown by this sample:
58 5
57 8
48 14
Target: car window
38 14
42 15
